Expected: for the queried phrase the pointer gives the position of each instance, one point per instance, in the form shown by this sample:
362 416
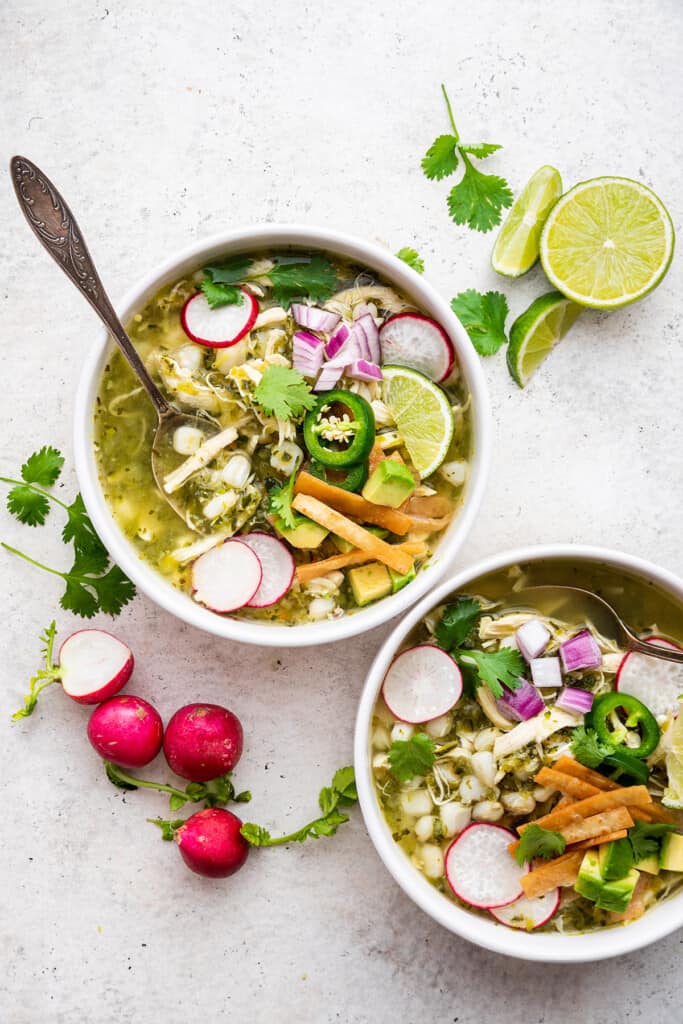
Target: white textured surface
166 122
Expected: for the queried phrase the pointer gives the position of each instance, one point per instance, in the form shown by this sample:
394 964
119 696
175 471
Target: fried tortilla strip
598 840
569 766
563 870
567 784
353 504
357 535
311 570
628 796
597 825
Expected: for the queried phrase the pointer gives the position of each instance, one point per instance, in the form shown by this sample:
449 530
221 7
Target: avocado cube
590 881
345 546
400 580
616 859
616 895
369 582
650 865
304 534
390 484
671 858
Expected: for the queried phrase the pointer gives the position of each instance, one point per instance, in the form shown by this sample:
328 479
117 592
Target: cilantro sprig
341 793
478 199
283 392
588 748
496 668
645 838
92 583
216 793
280 502
312 278
458 622
483 317
411 757
412 258
539 842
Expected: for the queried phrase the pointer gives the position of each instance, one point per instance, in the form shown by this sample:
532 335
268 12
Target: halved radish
480 869
527 914
411 339
422 683
658 684
94 665
219 327
227 576
278 568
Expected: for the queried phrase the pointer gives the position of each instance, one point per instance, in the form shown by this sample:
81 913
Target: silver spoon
56 229
550 601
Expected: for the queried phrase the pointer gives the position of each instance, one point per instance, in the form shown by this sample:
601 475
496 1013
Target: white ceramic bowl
656 923
151 582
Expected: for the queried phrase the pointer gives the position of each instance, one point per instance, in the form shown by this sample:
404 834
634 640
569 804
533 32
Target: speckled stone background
165 122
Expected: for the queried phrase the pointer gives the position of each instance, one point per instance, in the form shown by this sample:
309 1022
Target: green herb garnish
539 842
342 792
588 749
457 623
411 757
496 667
483 317
221 294
313 279
216 793
644 838
477 199
283 392
412 258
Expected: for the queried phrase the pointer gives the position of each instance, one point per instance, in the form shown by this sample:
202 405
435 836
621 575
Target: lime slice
516 248
673 794
607 242
535 333
422 414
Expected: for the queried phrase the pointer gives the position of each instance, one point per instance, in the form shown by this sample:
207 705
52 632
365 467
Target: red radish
278 568
411 339
126 730
226 577
94 665
219 327
422 683
203 741
211 844
480 869
658 684
528 914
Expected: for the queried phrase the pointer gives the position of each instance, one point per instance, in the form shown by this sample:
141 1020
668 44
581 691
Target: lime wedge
673 794
516 249
422 414
535 333
607 242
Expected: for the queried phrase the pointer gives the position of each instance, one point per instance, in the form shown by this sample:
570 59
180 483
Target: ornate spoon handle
55 227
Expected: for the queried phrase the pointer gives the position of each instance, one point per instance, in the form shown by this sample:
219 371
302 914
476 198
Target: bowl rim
660 921
147 579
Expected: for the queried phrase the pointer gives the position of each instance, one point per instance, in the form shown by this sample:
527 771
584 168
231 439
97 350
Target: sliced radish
658 684
527 914
411 339
226 577
278 568
480 869
220 327
422 683
94 665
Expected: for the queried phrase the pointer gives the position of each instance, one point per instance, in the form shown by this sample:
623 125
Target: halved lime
535 333
422 414
607 242
516 249
673 794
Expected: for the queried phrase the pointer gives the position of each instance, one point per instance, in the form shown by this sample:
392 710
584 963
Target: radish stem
450 112
216 793
43 678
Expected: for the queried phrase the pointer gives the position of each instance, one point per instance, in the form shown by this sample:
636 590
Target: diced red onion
361 369
546 672
360 310
522 703
580 652
307 353
573 699
532 639
315 318
367 325
329 375
338 340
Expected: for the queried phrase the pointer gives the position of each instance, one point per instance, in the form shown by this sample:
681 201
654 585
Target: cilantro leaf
479 149
43 467
78 599
221 294
412 258
457 622
280 504
342 791
28 506
483 317
644 838
539 842
495 667
411 757
113 590
229 271
283 392
79 529
477 199
441 159
314 279
588 749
